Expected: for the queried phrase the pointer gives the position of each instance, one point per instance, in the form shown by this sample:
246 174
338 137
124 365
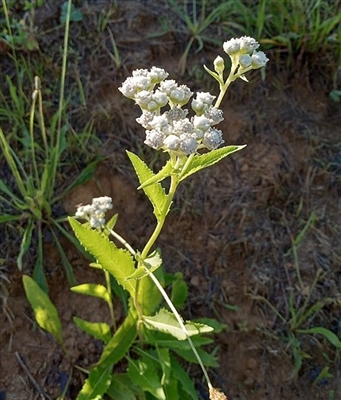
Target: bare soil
231 231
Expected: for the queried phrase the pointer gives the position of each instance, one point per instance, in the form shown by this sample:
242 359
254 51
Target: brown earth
231 230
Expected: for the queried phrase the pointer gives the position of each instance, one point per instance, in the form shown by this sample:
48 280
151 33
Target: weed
35 161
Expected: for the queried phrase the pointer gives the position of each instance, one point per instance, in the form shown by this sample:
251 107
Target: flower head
95 212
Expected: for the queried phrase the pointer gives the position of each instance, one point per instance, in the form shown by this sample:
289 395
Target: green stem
182 325
223 88
111 308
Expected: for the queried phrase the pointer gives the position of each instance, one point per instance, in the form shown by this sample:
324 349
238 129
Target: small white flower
245 60
145 119
248 44
198 106
143 98
180 95
206 97
157 74
201 122
168 85
214 114
232 46
212 138
183 126
171 142
259 59
159 122
154 139
176 114
160 98
137 73
188 144
128 88
143 83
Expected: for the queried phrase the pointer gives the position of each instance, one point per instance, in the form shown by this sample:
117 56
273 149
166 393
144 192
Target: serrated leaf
165 321
155 192
96 384
92 289
207 159
149 296
144 374
45 312
329 335
117 262
120 343
181 375
164 173
99 330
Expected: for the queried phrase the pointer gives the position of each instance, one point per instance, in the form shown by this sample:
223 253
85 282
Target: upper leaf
155 192
201 161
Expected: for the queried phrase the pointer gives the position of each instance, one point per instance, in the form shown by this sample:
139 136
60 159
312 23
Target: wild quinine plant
153 335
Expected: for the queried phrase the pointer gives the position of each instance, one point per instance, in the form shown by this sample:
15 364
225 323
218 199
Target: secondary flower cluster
95 212
172 130
243 51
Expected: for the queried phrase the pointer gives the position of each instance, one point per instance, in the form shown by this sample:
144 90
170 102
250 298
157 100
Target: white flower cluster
95 212
243 51
172 130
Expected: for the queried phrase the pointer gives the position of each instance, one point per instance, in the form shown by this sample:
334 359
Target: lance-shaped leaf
144 374
165 321
99 330
45 312
164 173
155 192
205 160
96 384
93 289
120 343
118 262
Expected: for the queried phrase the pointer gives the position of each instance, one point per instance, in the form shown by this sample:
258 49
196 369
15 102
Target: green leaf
96 384
144 374
206 160
117 262
165 321
149 296
25 242
9 218
216 325
329 335
120 343
164 173
5 189
155 192
45 312
152 262
181 375
208 359
75 15
99 330
93 289
120 388
179 291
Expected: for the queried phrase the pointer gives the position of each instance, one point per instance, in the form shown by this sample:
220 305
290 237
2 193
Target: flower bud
248 44
219 64
154 139
245 60
232 46
188 144
171 142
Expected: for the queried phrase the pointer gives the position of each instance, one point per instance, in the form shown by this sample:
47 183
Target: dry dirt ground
234 229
